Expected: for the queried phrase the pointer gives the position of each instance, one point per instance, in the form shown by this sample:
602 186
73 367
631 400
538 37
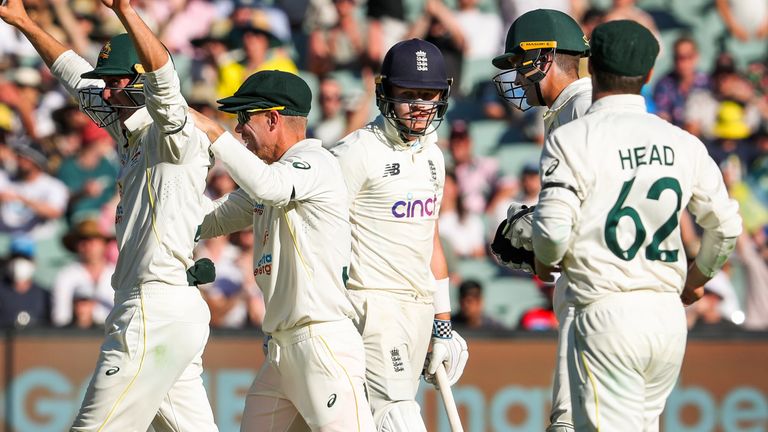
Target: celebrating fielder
394 173
541 65
148 371
293 195
613 185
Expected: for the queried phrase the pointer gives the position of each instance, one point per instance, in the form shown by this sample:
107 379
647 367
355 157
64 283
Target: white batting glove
448 348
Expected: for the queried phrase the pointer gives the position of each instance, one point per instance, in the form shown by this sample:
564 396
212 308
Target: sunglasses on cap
244 116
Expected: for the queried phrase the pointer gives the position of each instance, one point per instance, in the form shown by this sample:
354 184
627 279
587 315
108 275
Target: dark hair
470 287
613 83
567 63
685 39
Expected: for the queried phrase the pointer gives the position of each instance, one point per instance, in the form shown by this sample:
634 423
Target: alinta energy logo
264 266
414 208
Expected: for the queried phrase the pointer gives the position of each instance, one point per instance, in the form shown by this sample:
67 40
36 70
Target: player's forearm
552 224
46 45
151 51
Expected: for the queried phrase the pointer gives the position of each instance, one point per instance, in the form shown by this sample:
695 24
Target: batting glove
449 349
202 272
513 243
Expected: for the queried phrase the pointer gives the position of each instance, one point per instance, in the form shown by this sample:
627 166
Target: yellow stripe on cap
277 108
532 45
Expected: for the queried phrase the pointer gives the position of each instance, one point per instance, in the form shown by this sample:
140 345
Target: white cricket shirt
614 184
297 207
164 161
394 194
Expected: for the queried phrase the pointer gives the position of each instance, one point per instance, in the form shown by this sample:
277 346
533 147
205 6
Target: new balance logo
392 169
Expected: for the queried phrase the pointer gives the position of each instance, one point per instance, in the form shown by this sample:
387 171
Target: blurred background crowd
57 169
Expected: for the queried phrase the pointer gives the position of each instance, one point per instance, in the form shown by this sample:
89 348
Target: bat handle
450 405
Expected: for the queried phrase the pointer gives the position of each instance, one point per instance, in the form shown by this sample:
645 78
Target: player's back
634 174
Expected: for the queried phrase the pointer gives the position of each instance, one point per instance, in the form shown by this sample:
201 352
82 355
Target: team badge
422 63
104 54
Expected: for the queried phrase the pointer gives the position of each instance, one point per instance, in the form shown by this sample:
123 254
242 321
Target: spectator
32 90
745 19
32 201
89 174
386 27
333 123
672 91
227 296
471 305
463 230
752 250
706 315
89 276
341 46
530 184
22 302
483 44
83 305
628 10
477 177
438 25
541 318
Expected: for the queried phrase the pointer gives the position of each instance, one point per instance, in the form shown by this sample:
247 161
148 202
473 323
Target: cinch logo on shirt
414 208
264 266
258 209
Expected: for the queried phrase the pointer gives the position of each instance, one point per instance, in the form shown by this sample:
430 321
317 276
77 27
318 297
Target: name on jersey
637 156
264 266
414 208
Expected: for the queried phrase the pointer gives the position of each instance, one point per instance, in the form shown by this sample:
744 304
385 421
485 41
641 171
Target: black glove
202 272
508 255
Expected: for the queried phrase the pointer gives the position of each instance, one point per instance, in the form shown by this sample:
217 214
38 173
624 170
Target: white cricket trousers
625 354
396 331
313 378
148 371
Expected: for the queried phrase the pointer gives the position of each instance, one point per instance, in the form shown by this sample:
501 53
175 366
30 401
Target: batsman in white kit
398 282
613 185
541 68
292 193
150 365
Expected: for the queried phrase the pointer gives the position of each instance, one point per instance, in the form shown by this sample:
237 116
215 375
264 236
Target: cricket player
293 195
398 281
541 68
149 369
613 185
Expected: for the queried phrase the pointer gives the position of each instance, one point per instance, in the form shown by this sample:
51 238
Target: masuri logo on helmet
531 44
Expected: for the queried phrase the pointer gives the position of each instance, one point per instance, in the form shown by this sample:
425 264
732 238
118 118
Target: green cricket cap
271 89
542 28
623 48
117 57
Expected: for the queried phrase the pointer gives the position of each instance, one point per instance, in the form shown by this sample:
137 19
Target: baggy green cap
623 48
117 57
271 89
542 28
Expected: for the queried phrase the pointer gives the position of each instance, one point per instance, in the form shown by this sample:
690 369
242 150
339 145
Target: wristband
441 329
442 297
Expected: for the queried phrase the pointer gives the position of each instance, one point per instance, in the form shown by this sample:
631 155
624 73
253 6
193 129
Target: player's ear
648 78
273 119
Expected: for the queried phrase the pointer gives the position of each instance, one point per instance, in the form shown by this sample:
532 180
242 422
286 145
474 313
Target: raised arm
46 45
151 51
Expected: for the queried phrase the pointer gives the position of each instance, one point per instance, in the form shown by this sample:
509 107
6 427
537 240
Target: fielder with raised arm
150 365
394 172
613 185
293 195
541 68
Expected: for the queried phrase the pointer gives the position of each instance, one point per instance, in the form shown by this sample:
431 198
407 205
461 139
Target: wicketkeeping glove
513 243
202 272
449 349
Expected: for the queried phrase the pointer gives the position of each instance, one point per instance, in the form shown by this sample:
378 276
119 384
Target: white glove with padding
452 352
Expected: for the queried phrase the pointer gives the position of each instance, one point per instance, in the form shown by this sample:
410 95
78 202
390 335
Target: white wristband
442 297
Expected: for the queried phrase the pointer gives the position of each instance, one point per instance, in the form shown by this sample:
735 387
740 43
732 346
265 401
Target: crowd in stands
57 168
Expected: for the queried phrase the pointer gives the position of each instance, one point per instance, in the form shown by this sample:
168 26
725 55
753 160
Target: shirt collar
391 136
626 102
303 144
571 90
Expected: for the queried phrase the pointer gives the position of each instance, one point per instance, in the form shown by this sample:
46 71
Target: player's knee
400 416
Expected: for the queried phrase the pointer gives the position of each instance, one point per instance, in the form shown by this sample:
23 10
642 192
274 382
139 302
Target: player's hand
513 243
690 296
117 4
14 13
210 127
202 272
451 352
